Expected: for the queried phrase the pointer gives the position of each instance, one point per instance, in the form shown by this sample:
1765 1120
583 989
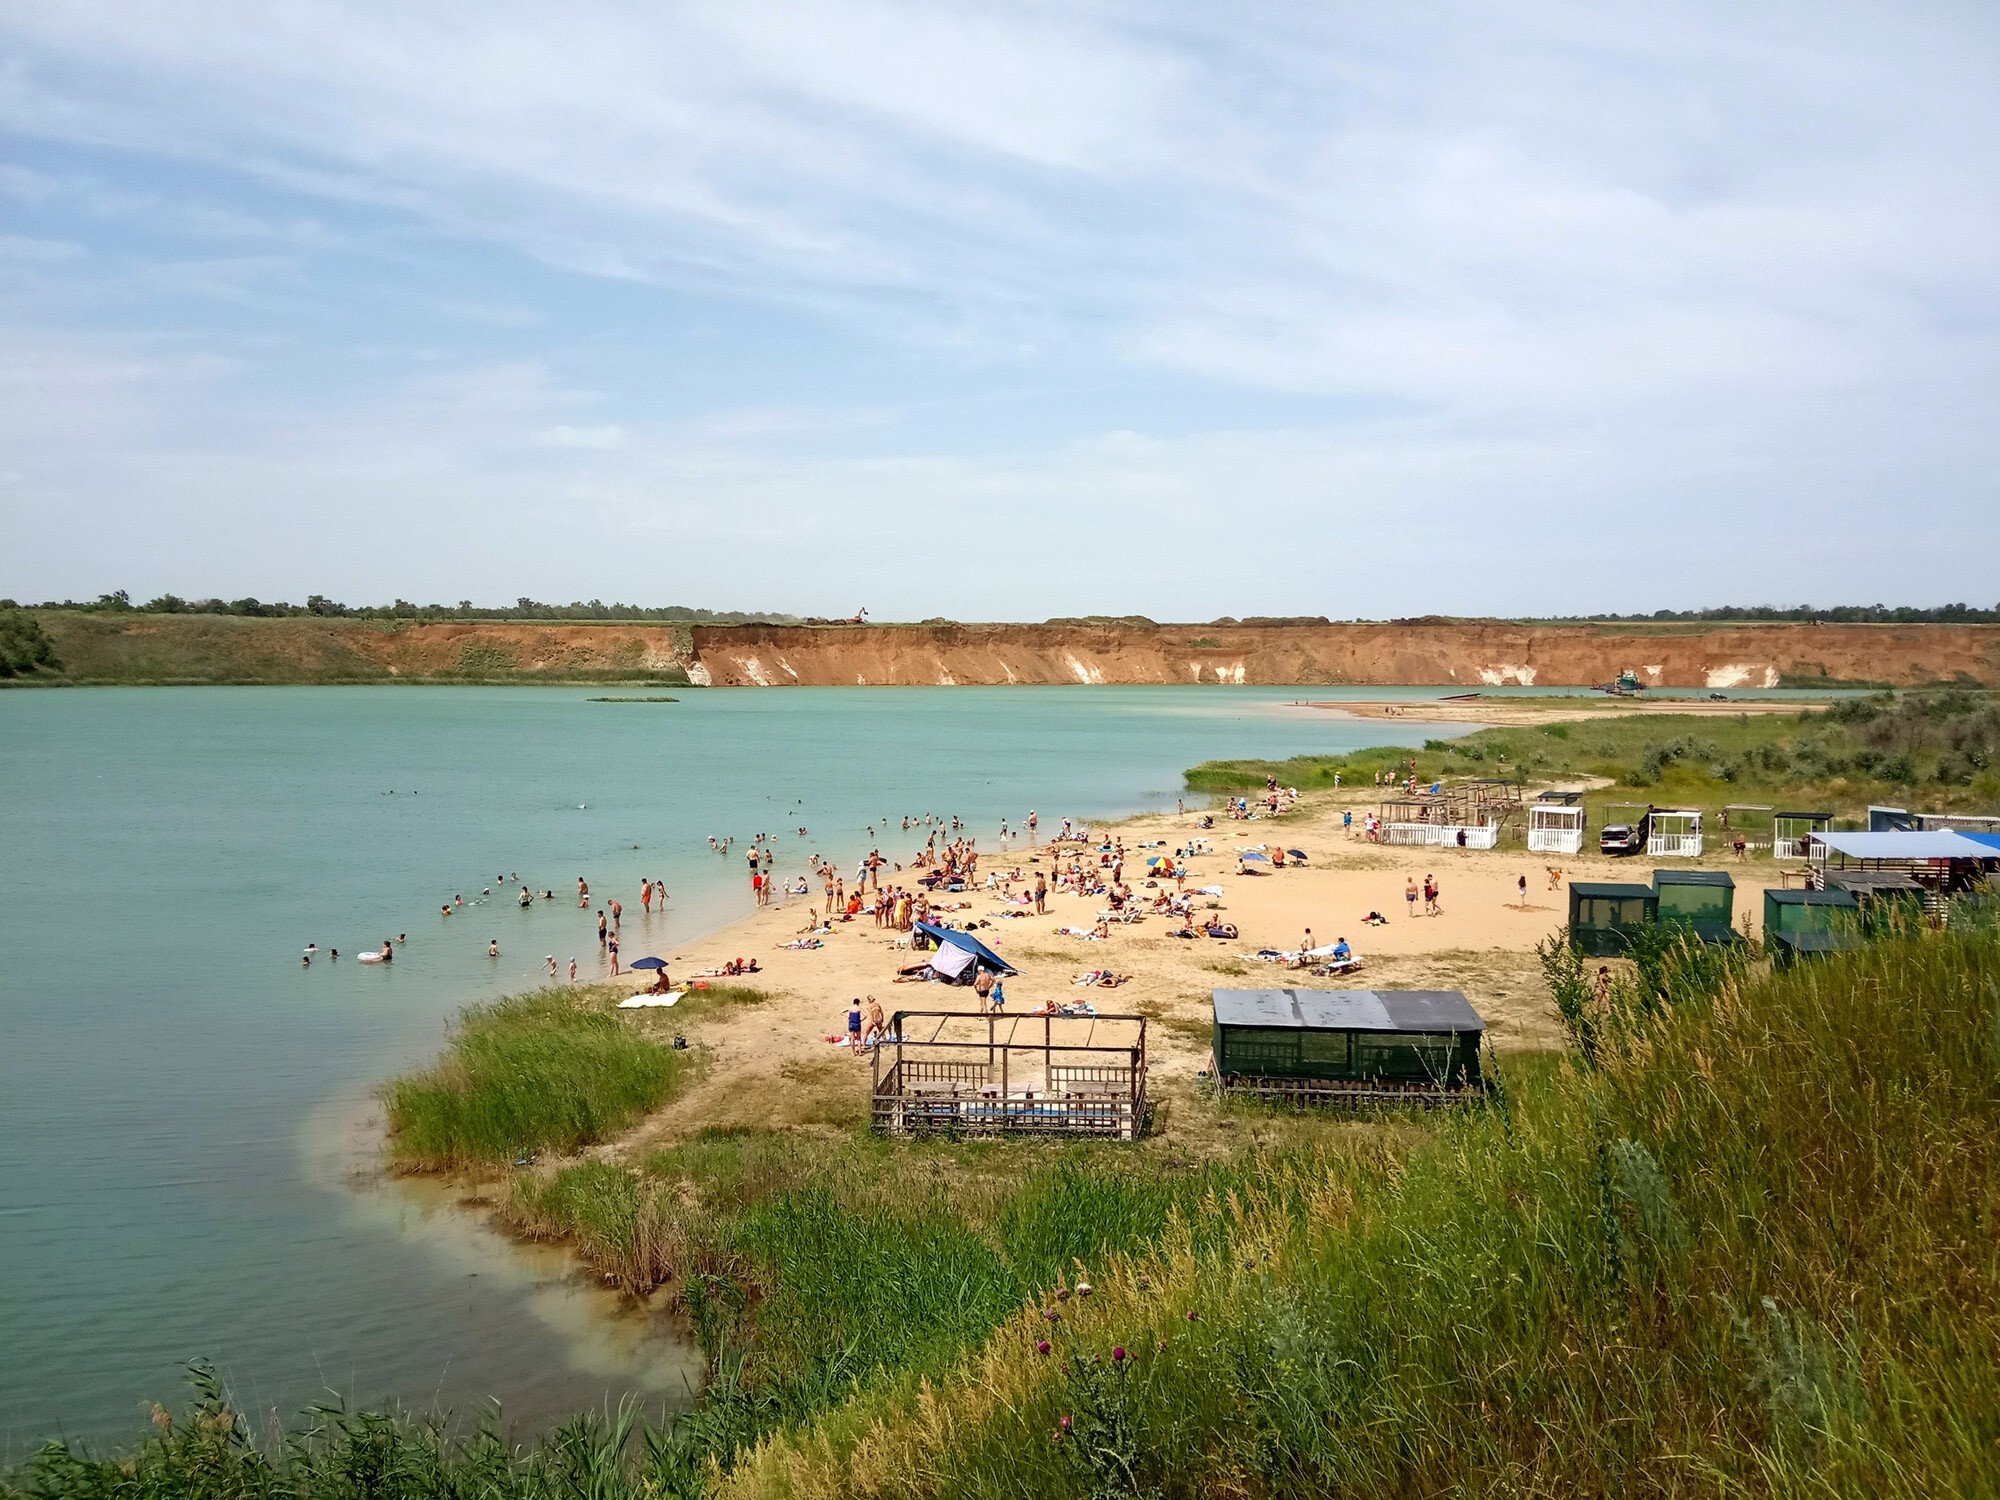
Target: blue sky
1002 310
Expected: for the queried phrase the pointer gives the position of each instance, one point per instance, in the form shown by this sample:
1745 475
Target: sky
1003 310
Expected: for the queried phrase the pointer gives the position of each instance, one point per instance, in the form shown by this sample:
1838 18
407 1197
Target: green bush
24 646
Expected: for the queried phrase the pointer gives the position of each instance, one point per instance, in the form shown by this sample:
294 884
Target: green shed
1802 923
1601 915
1368 1046
1702 900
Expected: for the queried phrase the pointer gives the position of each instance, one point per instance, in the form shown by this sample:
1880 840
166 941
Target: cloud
1253 276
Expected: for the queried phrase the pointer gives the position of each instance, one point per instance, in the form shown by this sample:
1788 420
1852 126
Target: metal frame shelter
1674 833
1791 832
1944 862
960 1073
1957 822
1602 915
1439 814
1556 823
1348 1047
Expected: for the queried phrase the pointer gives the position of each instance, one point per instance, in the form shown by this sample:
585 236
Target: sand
1512 712
772 1064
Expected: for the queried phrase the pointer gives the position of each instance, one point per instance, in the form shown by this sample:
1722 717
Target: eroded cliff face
1466 655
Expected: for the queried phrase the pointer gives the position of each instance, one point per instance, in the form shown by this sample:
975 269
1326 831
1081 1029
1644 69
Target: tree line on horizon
524 608
319 606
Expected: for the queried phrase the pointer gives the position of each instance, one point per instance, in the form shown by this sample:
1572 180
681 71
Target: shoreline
1566 707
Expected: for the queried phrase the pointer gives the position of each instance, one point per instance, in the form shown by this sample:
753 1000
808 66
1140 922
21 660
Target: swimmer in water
493 948
572 971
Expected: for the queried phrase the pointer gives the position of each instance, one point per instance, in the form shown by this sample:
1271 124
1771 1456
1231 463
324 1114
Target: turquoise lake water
184 1137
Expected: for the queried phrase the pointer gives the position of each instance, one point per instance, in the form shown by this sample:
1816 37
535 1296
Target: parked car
1622 838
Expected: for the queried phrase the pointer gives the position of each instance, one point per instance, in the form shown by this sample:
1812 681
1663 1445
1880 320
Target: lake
185 1147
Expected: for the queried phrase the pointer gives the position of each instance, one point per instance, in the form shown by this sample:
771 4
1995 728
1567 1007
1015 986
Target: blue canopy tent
980 956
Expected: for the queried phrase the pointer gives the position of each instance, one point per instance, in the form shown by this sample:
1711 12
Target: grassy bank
552 1071
1942 748
1748 1251
128 648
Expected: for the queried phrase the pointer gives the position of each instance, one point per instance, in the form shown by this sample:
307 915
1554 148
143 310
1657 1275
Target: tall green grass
1747 1249
1750 1251
551 1071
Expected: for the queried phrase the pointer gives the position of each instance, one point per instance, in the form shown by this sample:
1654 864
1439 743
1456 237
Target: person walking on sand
1555 877
1041 894
1522 883
1603 984
1410 894
611 948
1432 896
854 1028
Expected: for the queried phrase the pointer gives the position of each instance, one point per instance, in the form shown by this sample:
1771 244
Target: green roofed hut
1602 916
1703 901
1358 1047
1800 924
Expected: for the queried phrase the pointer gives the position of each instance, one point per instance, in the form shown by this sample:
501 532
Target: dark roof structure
1348 1010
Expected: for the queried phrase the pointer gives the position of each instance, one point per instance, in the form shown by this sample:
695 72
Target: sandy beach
773 1065
1503 713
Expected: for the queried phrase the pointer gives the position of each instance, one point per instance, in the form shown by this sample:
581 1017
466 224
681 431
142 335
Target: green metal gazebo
1603 915
1703 901
1359 1046
1799 924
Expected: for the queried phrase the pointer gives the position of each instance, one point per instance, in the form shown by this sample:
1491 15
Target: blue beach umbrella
648 962
1254 854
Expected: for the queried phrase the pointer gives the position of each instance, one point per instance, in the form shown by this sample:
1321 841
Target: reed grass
1745 1250
550 1071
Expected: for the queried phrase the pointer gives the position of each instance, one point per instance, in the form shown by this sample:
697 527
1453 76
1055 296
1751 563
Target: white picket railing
1443 835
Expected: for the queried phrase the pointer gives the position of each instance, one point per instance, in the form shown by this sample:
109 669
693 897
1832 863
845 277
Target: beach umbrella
1298 854
648 962
1253 854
